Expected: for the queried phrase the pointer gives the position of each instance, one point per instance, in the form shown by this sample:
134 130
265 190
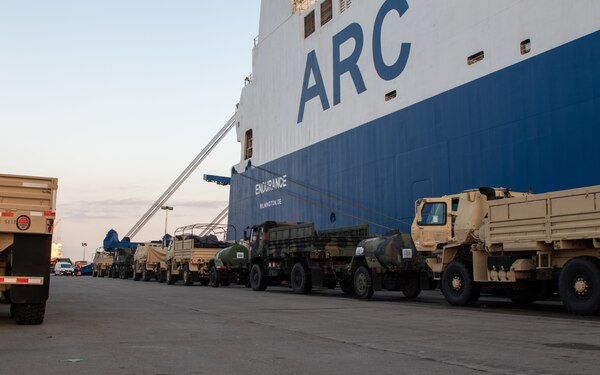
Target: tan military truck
192 250
524 243
27 213
103 261
147 261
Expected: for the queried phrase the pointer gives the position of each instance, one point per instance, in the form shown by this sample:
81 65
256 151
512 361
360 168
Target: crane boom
182 177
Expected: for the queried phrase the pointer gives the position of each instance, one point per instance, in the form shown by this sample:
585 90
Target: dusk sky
115 99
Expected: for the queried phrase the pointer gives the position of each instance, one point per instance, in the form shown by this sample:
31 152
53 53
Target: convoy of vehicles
27 213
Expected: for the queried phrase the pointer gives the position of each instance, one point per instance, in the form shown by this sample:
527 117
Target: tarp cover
150 254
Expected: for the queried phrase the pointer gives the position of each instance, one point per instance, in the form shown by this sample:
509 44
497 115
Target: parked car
64 268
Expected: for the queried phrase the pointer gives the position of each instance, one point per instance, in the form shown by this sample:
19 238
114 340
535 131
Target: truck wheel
347 287
257 279
300 279
411 286
29 313
225 282
579 286
162 276
363 283
526 294
146 275
170 277
213 277
187 276
458 286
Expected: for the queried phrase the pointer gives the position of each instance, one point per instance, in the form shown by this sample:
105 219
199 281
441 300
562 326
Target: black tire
579 286
29 314
363 283
257 279
110 273
146 275
213 277
187 276
225 282
411 286
162 276
347 287
170 279
525 294
300 279
458 286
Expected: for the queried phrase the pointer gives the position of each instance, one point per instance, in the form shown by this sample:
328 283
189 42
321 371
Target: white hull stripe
24 280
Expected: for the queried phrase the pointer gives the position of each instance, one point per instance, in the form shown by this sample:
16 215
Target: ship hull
534 125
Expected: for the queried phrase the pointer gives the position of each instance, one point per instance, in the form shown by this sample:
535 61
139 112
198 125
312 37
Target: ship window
344 5
326 11
390 95
309 24
433 214
248 145
475 58
525 46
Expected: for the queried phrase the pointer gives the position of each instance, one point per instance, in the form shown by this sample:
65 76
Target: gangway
182 177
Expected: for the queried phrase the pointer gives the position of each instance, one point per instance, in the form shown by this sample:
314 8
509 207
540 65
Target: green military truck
27 213
122 265
349 257
230 265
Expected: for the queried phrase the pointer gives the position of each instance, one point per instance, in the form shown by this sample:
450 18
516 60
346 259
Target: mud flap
31 257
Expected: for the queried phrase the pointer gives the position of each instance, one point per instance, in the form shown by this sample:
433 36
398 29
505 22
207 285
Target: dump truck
192 251
27 214
102 263
294 253
147 262
230 265
520 242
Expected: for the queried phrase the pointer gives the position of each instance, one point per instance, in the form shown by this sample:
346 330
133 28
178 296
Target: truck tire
458 286
29 314
146 275
162 276
363 283
347 286
187 276
213 277
411 286
136 275
225 282
257 279
579 286
300 279
170 277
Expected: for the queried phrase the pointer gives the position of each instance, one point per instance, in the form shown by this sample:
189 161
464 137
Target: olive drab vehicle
192 251
122 265
525 244
27 213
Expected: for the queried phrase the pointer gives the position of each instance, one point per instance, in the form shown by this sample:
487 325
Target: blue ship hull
534 125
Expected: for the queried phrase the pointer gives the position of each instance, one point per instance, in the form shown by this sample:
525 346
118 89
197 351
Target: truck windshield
433 214
64 265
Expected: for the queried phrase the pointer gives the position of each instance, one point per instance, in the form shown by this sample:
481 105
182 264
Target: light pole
84 244
167 209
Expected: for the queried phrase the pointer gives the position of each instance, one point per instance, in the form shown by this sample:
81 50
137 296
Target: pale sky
115 98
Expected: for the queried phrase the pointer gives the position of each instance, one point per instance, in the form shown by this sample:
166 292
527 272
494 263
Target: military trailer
147 261
102 263
523 243
27 213
230 265
192 251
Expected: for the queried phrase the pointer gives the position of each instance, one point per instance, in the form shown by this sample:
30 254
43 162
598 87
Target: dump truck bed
547 220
